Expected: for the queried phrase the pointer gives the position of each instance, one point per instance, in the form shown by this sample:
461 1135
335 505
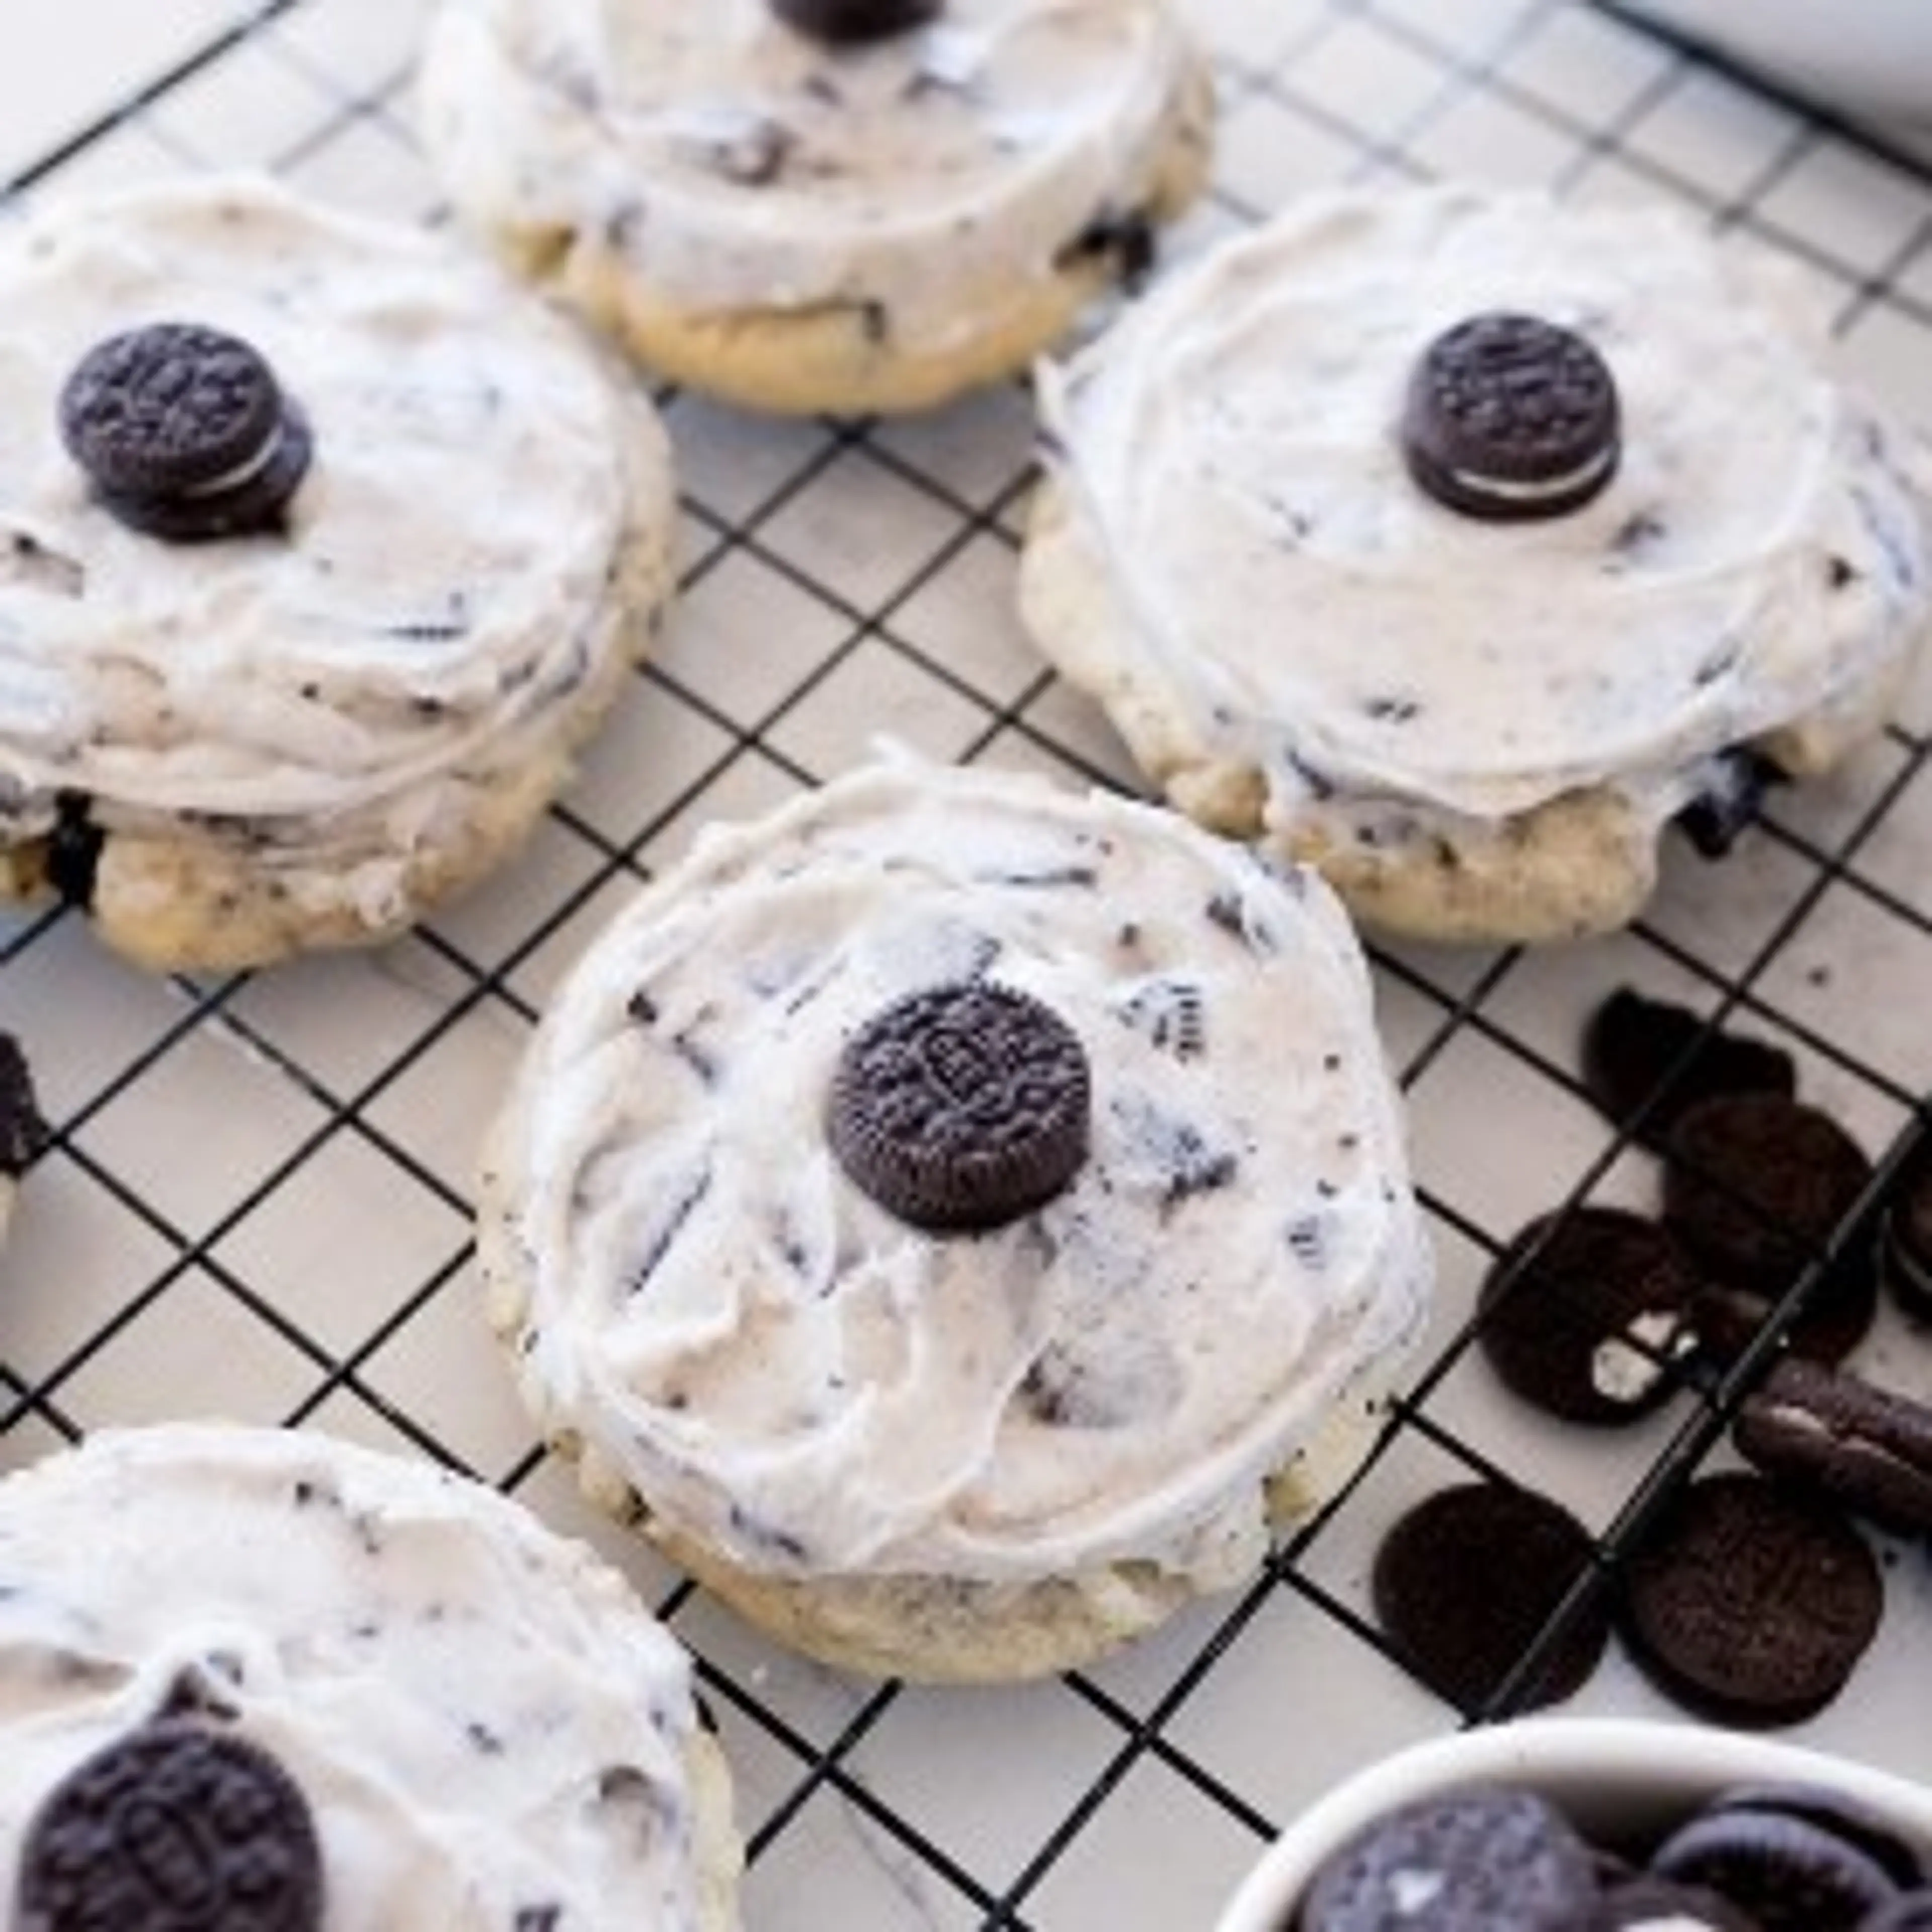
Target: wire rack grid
257 1200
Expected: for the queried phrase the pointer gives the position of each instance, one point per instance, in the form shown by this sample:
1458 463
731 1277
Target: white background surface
257 1205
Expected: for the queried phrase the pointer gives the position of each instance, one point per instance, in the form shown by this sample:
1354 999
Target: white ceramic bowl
1614 1777
1871 57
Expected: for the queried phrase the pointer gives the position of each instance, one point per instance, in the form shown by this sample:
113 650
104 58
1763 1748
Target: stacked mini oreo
184 433
1769 1858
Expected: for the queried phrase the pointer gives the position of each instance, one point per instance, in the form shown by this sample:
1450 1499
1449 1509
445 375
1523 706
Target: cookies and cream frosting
488 1729
741 166
1288 601
708 1304
442 583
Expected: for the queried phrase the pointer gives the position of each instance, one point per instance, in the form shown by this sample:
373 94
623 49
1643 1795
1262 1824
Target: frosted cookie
888 1217
322 544
841 204
361 1693
23 1133
1458 542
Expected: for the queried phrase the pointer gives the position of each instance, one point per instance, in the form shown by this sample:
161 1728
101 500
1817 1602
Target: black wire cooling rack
256 1201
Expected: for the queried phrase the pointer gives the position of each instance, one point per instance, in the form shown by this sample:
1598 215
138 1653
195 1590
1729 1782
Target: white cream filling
781 1369
739 165
1231 452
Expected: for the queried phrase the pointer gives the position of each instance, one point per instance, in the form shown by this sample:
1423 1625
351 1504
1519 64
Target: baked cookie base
843 358
1585 861
930 1629
194 895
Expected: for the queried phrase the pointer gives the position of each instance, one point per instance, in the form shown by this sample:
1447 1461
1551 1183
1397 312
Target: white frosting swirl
484 1722
443 583
781 1368
740 164
1290 602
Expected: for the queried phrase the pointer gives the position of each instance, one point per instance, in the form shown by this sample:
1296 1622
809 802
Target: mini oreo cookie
1484 1860
1434 1587
1790 1874
23 1132
1510 417
1749 1602
1862 1447
1754 1187
962 1107
175 1828
184 433
1830 1810
1641 1053
847 22
1584 1314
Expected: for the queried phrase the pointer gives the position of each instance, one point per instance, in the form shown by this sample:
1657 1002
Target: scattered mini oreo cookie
1830 1810
1434 1589
23 1132
1749 1602
174 1826
1585 1313
184 433
850 22
962 1107
1488 1859
1861 1447
1642 1054
1755 1186
1510 417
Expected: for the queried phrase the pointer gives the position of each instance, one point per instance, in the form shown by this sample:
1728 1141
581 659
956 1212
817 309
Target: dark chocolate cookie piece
175 1828
1510 417
1863 1447
23 1133
1486 1860
1789 1874
1733 794
962 1107
184 432
1749 1602
1638 1052
1754 1185
1649 1903
1434 1587
846 22
1584 1314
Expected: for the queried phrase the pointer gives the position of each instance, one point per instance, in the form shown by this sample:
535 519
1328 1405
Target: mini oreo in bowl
886 1219
1552 1824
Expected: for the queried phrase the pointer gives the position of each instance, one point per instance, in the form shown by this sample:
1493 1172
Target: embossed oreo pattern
1509 416
175 1828
961 1107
